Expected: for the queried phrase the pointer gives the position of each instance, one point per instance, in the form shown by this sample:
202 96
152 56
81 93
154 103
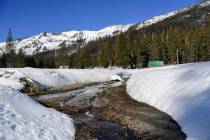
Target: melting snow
21 118
182 91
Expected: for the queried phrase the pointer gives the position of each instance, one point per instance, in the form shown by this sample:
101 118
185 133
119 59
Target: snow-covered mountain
160 18
75 39
50 41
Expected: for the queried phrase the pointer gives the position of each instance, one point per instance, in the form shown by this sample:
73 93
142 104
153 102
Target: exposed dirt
89 128
145 121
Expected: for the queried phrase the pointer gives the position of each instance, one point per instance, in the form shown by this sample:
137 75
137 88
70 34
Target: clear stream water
100 129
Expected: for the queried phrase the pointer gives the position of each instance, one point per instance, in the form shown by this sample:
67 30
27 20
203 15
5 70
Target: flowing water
76 103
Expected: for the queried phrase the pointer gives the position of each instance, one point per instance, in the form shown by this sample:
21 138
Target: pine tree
20 59
4 60
131 47
10 50
30 62
121 51
104 55
62 58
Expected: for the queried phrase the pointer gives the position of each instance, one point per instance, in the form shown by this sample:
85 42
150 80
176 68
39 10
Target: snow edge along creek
182 91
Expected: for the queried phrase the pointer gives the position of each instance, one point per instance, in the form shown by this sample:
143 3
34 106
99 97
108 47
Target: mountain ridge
76 39
50 41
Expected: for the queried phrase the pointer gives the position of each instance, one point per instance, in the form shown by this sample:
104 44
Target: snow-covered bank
11 78
24 119
182 91
60 77
21 118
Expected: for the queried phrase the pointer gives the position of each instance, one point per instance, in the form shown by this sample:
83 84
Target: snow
48 78
82 97
11 78
21 118
205 3
60 77
88 91
51 41
182 91
156 19
24 119
160 18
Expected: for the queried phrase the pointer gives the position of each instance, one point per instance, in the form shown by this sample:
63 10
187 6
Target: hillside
196 14
177 37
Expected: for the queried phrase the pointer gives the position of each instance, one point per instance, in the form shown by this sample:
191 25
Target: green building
155 63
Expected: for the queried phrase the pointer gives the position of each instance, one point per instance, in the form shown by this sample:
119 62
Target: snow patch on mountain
51 41
160 18
206 3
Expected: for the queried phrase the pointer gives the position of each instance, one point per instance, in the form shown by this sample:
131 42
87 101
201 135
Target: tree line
135 48
13 59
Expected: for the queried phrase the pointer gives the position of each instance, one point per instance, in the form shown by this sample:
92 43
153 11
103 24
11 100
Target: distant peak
205 3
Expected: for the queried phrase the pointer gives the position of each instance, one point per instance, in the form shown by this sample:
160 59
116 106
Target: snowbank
60 77
11 78
21 118
182 91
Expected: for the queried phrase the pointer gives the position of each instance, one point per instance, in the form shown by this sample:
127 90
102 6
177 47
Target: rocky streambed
104 111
